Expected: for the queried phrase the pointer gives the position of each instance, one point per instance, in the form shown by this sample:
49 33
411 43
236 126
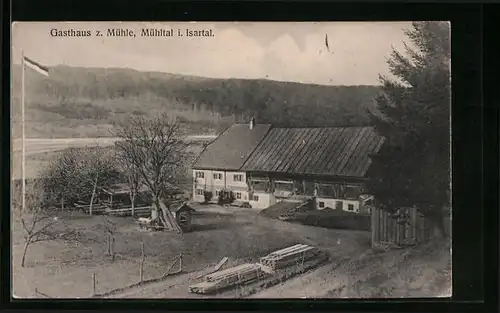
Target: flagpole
23 169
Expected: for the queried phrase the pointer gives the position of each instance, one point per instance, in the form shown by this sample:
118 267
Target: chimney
252 122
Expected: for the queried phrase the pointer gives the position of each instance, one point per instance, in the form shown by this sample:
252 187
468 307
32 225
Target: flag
36 66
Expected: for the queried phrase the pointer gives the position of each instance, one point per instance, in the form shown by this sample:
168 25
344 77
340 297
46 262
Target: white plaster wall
331 203
265 200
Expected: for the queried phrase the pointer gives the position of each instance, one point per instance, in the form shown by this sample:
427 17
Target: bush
225 198
352 221
208 196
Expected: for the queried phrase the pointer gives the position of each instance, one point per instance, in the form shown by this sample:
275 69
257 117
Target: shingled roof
231 149
343 152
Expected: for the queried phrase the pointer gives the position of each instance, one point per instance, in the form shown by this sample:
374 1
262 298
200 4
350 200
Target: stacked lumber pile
215 268
297 254
242 274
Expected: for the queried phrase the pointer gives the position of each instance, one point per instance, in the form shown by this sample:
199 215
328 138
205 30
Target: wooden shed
118 196
183 214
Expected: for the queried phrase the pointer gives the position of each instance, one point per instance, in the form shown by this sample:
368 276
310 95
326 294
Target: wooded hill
77 101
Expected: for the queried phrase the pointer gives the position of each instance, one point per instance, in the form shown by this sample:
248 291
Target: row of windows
218 176
237 195
339 205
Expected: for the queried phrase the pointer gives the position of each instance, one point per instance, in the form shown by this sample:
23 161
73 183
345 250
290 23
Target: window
217 176
199 192
350 207
255 198
238 195
321 204
238 177
339 205
200 175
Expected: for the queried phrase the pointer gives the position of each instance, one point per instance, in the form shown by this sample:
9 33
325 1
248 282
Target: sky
283 51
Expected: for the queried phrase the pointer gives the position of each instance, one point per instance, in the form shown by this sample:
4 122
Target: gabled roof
231 149
340 151
180 206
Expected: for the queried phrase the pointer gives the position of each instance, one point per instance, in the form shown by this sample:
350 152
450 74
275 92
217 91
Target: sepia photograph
256 160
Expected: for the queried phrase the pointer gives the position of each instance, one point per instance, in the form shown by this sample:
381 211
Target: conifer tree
413 167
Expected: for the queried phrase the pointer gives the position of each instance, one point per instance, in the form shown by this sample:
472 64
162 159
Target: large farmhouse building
264 165
218 168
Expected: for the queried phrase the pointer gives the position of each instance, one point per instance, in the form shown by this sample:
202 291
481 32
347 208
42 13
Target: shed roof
339 151
230 150
180 206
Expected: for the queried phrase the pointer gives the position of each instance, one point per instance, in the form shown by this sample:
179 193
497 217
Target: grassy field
422 271
328 218
61 270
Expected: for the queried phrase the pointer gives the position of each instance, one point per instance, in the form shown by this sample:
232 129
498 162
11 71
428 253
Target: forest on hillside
87 101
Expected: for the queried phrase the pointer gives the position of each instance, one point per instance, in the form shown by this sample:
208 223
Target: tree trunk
132 201
93 195
156 207
25 250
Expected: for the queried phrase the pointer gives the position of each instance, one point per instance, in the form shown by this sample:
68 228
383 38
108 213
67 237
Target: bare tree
37 222
62 175
78 173
133 176
96 169
158 150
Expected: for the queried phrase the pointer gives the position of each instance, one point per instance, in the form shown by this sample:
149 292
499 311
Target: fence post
93 283
141 268
113 248
414 225
373 226
180 262
109 244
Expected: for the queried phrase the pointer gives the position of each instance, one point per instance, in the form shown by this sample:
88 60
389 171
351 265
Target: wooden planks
248 273
241 274
292 255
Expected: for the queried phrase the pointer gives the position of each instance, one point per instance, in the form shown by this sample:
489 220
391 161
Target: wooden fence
405 227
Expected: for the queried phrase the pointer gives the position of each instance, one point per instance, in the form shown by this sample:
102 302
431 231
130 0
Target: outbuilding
183 214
